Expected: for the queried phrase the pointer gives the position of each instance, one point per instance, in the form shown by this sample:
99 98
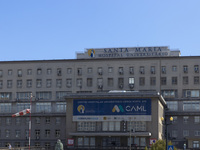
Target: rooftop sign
127 52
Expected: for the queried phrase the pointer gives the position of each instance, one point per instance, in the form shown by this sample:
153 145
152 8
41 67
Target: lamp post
164 120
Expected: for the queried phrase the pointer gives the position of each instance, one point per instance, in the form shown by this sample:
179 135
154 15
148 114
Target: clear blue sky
57 29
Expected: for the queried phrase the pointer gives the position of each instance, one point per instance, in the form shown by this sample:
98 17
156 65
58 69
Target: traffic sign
170 147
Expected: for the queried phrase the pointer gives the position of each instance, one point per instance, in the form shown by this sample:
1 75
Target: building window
79 83
110 69
142 81
163 70
23 95
5 107
29 71
152 80
57 133
17 133
131 82
175 119
48 83
100 83
86 126
174 68
47 120
58 121
1 84
59 72
29 83
174 133
37 120
185 133
17 121
9 83
39 71
19 83
196 68
121 70
47 133
69 70
89 82
196 80
79 71
61 107
69 83
174 81
111 126
7 133
185 119
163 81
196 119
19 73
136 126
43 107
121 82
5 95
191 106
195 144
131 70
169 93
22 106
8 121
197 133
153 70
191 93
86 142
39 83
172 105
49 71
142 71
110 82
10 72
185 80
43 95
47 145
61 94
1 73
59 83
37 134
89 70
185 69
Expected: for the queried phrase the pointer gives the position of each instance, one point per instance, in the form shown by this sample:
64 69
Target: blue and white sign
112 110
170 147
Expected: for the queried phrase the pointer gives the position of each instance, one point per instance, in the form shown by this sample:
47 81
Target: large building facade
97 71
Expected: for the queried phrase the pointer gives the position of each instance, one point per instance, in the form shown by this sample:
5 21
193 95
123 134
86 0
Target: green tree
160 145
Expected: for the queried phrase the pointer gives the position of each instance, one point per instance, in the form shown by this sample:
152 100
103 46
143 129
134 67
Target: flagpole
30 122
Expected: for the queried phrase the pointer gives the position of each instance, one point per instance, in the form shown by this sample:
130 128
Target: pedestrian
59 145
9 146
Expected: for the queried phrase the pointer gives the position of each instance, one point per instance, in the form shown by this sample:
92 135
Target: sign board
112 110
70 142
170 147
128 52
152 141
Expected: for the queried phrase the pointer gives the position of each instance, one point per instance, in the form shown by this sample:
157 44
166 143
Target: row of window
39 107
38 144
37 121
89 82
111 126
187 106
100 70
175 133
47 133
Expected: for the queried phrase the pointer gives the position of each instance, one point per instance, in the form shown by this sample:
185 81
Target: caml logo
118 108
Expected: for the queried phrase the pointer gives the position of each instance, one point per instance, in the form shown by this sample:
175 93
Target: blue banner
111 107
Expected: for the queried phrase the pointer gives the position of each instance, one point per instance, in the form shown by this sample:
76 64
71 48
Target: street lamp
164 120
